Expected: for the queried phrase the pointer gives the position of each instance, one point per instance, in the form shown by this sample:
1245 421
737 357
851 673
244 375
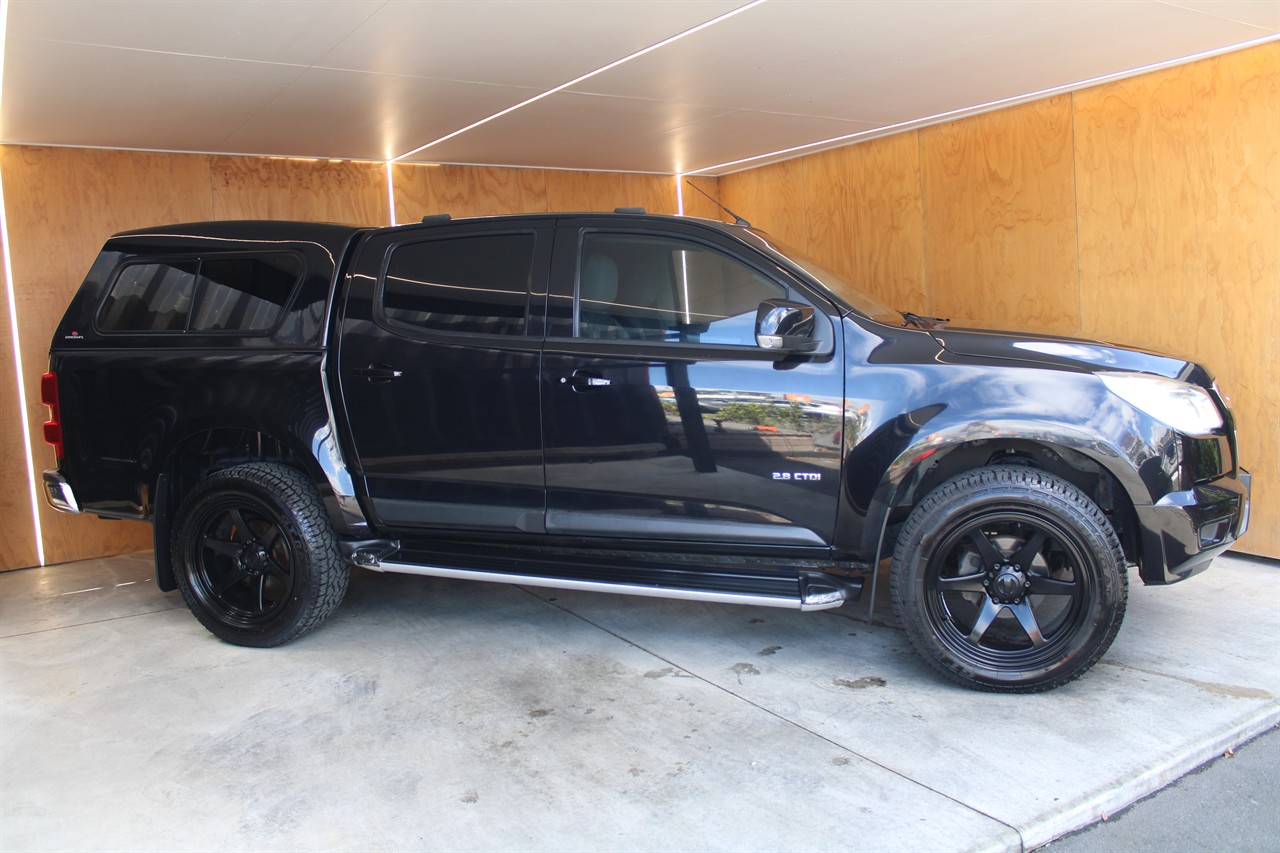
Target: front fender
936 443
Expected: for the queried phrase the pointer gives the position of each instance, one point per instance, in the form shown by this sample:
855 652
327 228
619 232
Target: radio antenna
737 220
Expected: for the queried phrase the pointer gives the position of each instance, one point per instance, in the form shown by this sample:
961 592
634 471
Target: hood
1066 352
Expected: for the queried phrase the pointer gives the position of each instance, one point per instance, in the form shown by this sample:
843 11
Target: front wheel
1009 579
255 557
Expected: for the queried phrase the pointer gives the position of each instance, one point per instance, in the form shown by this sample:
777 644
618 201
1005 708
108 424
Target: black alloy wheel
243 566
1009 579
254 556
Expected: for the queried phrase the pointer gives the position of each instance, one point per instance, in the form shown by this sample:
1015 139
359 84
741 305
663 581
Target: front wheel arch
902 494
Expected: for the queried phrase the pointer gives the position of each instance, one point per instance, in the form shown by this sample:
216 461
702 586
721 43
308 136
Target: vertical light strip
679 195
22 386
13 330
684 286
391 195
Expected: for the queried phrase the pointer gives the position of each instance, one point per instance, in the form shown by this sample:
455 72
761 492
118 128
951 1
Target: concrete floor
441 715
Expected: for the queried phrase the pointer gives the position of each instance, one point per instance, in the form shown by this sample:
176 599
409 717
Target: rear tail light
53 426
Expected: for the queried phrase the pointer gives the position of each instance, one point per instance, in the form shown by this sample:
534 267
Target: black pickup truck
625 403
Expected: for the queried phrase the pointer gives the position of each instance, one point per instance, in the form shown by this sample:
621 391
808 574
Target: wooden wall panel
696 204
490 191
772 198
857 210
1178 177
866 217
604 191
310 190
466 191
1000 218
17 528
62 203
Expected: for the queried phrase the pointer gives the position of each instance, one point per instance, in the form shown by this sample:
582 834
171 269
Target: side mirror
785 326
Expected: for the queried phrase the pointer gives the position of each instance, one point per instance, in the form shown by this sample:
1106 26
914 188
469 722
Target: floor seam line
82 624
776 715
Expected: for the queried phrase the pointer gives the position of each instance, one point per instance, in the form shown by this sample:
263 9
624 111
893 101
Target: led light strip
13 331
575 81
391 194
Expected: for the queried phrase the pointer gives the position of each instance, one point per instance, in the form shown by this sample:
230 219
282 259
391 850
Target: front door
662 418
438 366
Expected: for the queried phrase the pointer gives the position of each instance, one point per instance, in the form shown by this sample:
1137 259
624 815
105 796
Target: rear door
663 419
438 361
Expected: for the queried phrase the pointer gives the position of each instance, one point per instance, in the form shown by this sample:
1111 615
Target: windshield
850 293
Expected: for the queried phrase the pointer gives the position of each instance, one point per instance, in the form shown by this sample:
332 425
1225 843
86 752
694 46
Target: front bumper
1184 531
59 493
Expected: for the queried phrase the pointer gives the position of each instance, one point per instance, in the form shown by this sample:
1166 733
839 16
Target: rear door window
476 284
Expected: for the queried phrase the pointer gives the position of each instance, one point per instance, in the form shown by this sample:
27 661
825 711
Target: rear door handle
585 380
378 373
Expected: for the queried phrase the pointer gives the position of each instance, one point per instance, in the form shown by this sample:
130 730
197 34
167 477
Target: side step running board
816 592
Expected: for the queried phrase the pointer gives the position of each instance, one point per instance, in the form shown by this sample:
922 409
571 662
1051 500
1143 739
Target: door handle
585 380
378 373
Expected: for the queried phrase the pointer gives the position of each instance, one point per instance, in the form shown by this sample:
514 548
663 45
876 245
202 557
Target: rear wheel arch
200 453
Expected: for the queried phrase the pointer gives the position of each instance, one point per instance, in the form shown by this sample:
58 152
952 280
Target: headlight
1185 407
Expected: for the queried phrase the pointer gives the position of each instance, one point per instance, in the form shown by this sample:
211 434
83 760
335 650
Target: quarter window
150 298
476 284
236 293
635 287
245 294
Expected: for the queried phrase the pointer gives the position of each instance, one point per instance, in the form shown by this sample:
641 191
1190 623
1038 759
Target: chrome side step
817 594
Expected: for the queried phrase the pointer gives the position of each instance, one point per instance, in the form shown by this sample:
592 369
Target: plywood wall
62 203
1144 212
309 190
1178 187
422 190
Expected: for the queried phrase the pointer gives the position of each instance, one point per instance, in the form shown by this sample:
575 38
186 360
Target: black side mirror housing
784 326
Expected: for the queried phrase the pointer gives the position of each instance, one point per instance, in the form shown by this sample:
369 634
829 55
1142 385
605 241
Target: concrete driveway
445 715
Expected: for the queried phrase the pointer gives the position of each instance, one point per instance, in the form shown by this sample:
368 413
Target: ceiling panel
379 78
297 32
72 94
328 113
1064 44
744 61
574 131
539 44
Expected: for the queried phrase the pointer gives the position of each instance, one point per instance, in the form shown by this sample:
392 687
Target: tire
1009 579
255 557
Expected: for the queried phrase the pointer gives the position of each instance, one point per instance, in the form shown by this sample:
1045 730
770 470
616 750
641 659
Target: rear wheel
255 557
1009 579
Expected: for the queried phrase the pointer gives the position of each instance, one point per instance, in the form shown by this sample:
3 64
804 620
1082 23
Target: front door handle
378 373
585 380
